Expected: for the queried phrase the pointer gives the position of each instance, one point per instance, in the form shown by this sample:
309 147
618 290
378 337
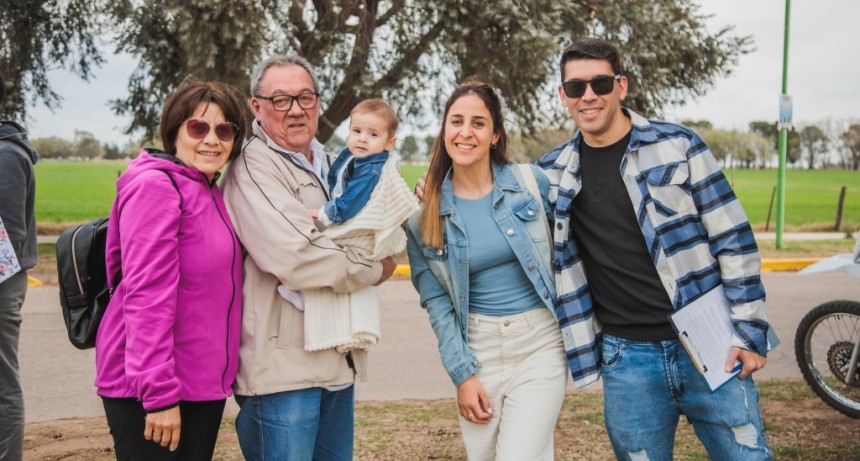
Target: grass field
810 196
74 192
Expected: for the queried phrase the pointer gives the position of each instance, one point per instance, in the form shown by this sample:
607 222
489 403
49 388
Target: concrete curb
767 265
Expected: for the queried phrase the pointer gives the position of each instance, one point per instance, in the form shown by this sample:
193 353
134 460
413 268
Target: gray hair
277 61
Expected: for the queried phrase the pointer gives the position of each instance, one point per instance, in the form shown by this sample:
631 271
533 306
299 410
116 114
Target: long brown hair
432 230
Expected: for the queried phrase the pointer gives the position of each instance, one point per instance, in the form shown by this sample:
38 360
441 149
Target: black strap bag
85 289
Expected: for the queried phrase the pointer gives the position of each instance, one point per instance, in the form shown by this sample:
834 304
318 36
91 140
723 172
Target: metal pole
783 140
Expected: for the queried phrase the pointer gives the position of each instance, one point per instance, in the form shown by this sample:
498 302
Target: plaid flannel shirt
694 228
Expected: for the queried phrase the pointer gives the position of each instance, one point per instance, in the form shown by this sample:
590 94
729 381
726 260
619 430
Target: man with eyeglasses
644 213
295 405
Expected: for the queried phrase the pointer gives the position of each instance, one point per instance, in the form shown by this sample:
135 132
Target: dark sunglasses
600 85
198 129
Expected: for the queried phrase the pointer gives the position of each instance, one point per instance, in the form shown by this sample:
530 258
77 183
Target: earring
493 146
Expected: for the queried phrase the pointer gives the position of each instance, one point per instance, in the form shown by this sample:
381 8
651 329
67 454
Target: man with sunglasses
295 405
645 224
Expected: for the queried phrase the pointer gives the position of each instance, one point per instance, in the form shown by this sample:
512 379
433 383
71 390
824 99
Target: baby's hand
314 213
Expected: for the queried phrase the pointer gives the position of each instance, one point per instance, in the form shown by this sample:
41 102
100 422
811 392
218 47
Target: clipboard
705 330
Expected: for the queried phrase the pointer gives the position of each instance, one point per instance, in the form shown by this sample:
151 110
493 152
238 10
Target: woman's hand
162 427
473 402
419 187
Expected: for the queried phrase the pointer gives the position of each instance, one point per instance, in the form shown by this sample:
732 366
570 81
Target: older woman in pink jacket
167 349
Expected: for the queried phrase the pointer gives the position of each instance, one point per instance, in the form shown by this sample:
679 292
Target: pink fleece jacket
171 330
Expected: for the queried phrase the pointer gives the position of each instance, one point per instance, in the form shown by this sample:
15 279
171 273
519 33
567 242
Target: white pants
524 372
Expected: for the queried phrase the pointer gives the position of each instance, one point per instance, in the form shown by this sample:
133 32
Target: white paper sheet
706 331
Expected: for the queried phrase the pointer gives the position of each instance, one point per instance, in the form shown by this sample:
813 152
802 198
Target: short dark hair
592 48
184 101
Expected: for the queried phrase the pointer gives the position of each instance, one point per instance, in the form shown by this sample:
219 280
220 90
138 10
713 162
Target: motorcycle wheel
823 345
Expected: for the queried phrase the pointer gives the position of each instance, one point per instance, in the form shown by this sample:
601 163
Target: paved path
58 378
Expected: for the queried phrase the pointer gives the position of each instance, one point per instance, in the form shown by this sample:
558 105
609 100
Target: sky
821 82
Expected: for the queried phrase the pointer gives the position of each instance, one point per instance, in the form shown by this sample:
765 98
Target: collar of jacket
503 180
160 154
643 132
316 147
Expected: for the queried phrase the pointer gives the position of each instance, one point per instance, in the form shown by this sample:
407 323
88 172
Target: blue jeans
303 425
647 385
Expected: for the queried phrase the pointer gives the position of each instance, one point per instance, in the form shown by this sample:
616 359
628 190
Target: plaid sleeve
732 244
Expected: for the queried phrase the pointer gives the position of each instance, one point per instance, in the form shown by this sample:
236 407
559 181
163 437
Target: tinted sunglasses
600 85
198 129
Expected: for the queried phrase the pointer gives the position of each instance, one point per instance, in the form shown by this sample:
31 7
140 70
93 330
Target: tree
815 142
40 35
52 147
851 140
770 132
530 147
409 149
112 152
86 145
699 126
428 141
412 52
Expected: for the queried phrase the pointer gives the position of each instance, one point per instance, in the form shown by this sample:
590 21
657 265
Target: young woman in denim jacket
480 259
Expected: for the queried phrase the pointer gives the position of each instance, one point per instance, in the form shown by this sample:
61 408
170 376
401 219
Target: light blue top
441 275
498 285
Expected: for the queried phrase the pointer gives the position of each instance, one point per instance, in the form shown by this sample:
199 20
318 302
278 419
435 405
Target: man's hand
751 361
419 187
162 427
473 402
388 266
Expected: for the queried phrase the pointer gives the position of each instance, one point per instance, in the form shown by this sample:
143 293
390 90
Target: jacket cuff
751 335
156 410
466 370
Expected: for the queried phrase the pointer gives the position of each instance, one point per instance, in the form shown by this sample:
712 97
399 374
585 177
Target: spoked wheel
825 343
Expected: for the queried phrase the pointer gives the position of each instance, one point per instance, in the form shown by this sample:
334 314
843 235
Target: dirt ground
798 426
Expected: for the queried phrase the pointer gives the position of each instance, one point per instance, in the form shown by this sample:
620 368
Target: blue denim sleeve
356 191
543 187
456 357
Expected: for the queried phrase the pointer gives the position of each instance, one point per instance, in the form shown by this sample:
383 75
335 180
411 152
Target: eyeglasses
198 129
284 102
601 85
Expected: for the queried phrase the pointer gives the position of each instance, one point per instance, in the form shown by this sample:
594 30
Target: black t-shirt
629 299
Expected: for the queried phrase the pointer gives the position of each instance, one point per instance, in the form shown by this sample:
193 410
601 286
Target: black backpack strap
118 276
175 186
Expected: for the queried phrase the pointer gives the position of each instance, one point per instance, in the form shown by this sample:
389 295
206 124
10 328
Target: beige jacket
268 195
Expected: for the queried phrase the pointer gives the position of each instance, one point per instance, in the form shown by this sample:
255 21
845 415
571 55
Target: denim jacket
441 275
356 187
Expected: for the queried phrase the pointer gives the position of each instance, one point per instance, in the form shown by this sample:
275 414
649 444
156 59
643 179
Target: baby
370 202
355 172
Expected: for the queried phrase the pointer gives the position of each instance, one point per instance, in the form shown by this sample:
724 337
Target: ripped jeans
647 385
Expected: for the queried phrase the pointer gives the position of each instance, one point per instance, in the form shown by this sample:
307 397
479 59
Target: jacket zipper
303 168
232 289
